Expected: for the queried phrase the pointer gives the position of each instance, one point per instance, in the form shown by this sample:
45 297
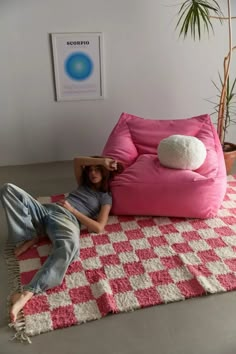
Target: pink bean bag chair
148 188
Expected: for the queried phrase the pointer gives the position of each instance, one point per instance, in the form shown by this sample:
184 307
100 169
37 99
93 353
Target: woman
89 205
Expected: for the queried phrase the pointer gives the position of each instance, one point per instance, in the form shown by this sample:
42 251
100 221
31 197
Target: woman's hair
107 176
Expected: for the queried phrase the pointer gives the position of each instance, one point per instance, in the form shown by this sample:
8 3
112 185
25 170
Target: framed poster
77 59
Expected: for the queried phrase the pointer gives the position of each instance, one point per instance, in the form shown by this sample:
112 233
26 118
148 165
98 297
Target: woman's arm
92 225
81 161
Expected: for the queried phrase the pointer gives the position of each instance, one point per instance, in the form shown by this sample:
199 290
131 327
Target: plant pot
229 150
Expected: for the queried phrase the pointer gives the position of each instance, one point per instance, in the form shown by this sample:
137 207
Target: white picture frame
78 65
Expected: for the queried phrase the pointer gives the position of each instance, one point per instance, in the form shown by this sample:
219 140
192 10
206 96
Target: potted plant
194 16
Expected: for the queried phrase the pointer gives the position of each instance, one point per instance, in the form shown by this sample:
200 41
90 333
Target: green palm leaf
230 109
195 15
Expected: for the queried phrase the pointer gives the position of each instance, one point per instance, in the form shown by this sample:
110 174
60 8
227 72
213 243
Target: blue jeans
27 218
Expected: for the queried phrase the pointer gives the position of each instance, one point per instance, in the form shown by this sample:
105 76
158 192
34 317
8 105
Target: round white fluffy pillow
181 152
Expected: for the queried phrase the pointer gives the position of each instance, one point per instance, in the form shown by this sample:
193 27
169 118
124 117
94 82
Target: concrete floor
204 325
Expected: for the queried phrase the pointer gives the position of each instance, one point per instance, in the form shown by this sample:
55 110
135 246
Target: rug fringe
20 335
15 286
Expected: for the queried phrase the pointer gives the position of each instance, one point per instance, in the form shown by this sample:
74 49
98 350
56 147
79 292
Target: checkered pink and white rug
137 262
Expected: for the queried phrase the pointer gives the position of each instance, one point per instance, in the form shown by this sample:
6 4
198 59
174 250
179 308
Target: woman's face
95 175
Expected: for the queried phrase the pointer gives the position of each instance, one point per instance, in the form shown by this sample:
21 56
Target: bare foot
20 249
25 246
18 301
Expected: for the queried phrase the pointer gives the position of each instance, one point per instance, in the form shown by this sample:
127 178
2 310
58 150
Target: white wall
148 72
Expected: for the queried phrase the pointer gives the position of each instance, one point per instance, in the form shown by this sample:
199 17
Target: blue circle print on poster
78 66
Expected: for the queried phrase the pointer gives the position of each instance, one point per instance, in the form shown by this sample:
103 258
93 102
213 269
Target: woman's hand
66 205
110 164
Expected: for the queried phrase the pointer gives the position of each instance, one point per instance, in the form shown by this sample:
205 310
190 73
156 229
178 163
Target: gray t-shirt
88 201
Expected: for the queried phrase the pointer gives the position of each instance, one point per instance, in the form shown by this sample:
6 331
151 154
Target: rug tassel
20 336
15 285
